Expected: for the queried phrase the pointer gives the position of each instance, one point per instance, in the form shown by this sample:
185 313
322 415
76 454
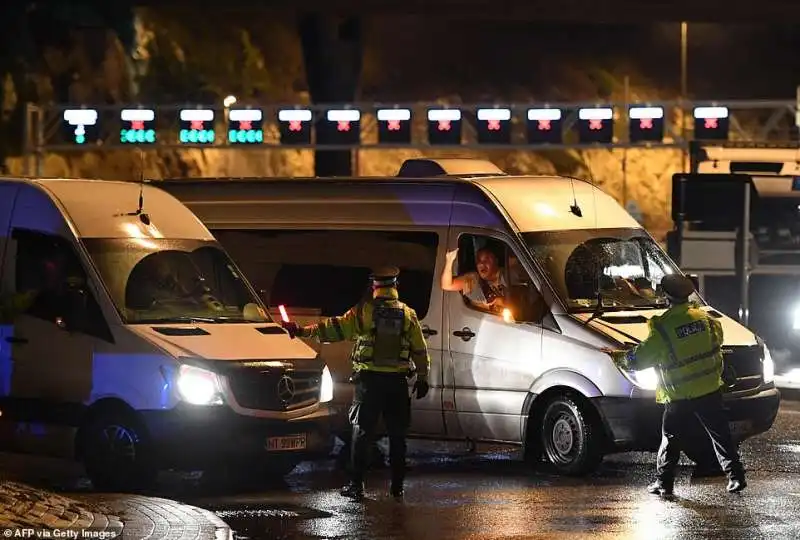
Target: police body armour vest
388 323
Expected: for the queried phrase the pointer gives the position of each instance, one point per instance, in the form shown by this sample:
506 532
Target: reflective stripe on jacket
685 348
357 324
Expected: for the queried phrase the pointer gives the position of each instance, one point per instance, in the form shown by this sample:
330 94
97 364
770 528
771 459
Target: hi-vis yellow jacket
13 304
357 324
685 348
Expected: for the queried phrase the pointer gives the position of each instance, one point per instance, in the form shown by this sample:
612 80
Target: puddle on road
263 521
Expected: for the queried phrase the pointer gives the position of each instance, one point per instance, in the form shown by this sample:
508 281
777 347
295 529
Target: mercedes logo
285 389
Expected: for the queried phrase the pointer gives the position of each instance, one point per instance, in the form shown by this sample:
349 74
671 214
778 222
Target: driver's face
486 264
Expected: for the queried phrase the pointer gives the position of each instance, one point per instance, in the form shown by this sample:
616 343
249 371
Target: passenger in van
389 348
485 288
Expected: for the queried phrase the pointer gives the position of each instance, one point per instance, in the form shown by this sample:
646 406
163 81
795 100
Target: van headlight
768 365
198 386
326 386
646 379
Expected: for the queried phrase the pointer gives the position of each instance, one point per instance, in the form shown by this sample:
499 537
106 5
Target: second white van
579 272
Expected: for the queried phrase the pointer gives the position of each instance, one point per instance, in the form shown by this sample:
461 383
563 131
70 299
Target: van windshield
621 267
156 280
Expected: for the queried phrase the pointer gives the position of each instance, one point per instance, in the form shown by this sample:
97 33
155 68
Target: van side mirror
695 281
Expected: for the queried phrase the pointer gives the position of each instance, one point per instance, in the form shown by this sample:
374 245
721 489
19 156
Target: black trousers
710 412
376 395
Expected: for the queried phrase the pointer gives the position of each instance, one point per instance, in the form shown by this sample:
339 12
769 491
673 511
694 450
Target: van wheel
570 440
116 452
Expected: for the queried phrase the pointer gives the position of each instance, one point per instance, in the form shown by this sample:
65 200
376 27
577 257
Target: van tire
570 439
116 451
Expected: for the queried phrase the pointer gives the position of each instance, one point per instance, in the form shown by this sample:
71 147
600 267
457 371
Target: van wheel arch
119 413
533 449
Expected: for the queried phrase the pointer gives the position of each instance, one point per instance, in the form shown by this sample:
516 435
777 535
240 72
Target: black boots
396 490
353 490
735 485
663 489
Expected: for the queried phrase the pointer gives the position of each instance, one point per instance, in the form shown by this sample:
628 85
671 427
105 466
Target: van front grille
274 389
745 361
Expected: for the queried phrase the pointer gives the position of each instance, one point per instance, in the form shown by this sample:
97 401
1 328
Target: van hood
225 341
632 326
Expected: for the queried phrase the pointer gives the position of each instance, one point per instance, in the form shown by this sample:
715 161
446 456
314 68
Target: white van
534 376
144 347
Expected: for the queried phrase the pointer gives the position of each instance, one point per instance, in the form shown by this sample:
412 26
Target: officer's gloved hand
421 388
291 327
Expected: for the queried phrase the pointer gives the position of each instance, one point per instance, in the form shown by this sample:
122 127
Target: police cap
385 275
677 286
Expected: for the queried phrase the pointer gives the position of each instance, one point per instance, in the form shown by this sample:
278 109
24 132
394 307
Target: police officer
389 348
12 305
684 346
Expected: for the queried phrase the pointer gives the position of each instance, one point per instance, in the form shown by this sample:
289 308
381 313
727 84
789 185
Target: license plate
289 442
741 427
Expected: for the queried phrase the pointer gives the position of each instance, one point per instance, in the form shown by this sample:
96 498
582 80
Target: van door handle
16 340
465 333
427 332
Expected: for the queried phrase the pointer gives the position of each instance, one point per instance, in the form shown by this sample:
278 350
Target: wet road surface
452 493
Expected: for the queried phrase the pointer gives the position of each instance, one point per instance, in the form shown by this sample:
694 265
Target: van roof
100 208
531 203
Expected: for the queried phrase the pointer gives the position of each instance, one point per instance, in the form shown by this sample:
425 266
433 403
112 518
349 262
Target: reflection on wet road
490 494
493 495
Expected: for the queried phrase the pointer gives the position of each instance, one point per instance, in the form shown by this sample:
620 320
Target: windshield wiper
598 310
179 319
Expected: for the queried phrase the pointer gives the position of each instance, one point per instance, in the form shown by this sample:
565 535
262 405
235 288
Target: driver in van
485 288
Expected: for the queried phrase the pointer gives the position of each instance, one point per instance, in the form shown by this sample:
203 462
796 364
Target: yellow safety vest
357 324
14 304
685 348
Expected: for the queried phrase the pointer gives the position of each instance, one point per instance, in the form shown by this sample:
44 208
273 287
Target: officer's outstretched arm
648 353
419 348
332 329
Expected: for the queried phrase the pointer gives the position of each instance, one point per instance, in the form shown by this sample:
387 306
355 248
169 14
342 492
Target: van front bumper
196 437
634 424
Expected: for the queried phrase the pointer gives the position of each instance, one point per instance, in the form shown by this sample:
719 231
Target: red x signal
197 125
711 123
137 124
444 125
343 125
493 125
295 125
393 125
595 125
544 125
245 125
646 123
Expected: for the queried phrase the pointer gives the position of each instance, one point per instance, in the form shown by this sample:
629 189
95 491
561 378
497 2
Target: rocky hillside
171 57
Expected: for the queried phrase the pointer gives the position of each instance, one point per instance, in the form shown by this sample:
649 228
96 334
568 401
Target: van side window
491 278
47 266
327 271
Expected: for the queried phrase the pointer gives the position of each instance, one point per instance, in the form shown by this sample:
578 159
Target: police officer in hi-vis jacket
390 347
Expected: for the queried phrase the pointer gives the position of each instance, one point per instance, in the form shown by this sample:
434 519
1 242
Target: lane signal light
596 125
444 126
494 126
544 126
646 123
394 126
197 126
245 126
711 123
295 126
138 126
344 126
78 121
